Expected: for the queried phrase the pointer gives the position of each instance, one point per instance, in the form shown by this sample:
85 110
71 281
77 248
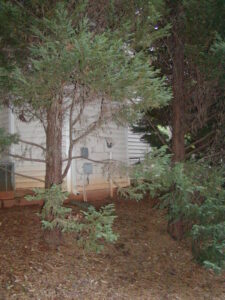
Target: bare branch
71 123
22 175
105 161
32 144
82 105
87 131
91 127
220 153
43 123
27 158
78 116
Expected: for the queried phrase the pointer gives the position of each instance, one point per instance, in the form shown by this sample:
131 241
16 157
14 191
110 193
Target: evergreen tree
193 65
192 59
67 57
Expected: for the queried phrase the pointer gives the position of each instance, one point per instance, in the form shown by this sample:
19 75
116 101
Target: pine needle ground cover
145 263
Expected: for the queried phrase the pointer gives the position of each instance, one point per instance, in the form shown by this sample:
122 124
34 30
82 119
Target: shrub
192 192
93 227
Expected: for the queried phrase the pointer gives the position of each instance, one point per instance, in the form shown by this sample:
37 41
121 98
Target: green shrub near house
92 227
192 192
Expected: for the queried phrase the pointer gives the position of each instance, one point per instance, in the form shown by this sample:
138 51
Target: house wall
136 147
32 132
95 142
4 123
102 175
126 147
98 151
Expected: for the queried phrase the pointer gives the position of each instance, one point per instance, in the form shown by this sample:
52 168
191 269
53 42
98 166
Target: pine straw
145 263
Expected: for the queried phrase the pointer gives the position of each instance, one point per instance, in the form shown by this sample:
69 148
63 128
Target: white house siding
32 132
127 147
136 147
95 142
4 123
98 151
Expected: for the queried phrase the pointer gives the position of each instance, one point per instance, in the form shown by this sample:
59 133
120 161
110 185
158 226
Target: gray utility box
87 168
7 181
84 152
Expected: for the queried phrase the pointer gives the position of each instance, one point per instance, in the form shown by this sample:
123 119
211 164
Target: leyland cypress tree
193 64
13 40
66 56
191 58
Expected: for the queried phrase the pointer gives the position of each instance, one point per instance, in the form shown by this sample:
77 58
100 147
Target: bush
150 176
192 192
93 227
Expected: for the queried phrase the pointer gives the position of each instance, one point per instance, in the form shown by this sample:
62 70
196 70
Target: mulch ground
145 263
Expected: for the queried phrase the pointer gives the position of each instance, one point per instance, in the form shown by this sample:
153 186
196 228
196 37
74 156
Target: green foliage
192 191
12 30
98 226
53 210
93 227
151 176
6 139
64 54
200 26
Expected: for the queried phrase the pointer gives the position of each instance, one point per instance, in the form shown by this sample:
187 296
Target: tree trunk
177 229
178 114
53 173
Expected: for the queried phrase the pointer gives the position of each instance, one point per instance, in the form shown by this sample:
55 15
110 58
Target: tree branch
26 158
70 150
105 161
198 149
32 144
87 131
22 175
164 142
92 126
201 139
80 112
220 153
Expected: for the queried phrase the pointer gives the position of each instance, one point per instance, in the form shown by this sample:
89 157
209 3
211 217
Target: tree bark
178 113
177 229
53 173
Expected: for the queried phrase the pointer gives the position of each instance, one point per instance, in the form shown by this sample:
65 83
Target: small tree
91 226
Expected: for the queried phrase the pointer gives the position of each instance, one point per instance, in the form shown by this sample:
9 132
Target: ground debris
145 263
